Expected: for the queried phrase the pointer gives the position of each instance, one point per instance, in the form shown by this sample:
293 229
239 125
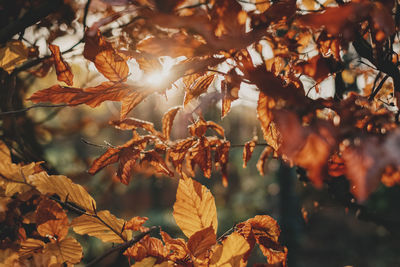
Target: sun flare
158 77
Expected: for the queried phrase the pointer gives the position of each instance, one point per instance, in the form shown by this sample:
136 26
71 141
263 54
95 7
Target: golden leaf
30 246
177 246
51 220
108 228
194 208
67 250
201 242
13 54
167 121
230 252
64 188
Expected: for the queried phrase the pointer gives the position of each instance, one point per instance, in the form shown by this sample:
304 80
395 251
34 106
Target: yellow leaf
230 252
149 261
194 208
51 220
12 55
68 250
64 188
92 226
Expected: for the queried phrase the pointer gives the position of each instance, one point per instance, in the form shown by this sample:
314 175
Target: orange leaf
154 159
221 158
265 107
51 220
133 124
194 208
248 151
201 154
263 158
177 151
200 86
63 70
230 252
167 121
177 246
67 250
131 101
136 223
147 246
201 242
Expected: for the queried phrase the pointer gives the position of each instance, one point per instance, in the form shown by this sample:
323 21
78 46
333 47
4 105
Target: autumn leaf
177 152
51 220
63 70
200 243
147 246
221 158
14 53
194 208
167 121
230 252
106 227
198 87
135 224
67 250
200 154
62 186
263 158
153 159
248 151
131 100
133 124
30 246
177 246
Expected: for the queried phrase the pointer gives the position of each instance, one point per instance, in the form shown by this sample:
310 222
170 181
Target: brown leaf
221 158
230 92
200 154
155 160
51 220
317 67
265 107
200 86
201 242
177 246
91 96
131 101
168 120
136 223
147 246
63 70
133 124
194 208
30 246
106 59
248 151
263 158
177 152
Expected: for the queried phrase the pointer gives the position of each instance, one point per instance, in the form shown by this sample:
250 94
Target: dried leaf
64 188
51 220
194 208
155 160
263 158
133 124
67 250
167 121
221 158
177 152
177 246
230 252
200 86
136 223
200 154
131 101
108 229
265 107
248 151
63 70
30 246
13 54
201 242
147 246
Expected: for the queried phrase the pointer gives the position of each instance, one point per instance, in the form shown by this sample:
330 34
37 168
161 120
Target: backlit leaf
177 246
108 228
135 224
67 250
167 121
263 158
194 208
147 246
264 114
63 70
30 246
133 124
230 252
178 151
152 158
248 151
64 188
201 242
200 86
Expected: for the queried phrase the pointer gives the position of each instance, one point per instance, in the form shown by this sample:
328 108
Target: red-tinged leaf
51 220
111 65
248 151
147 246
63 70
263 158
168 120
133 124
200 86
177 246
200 243
265 107
178 152
200 154
152 158
91 96
317 67
178 44
106 59
131 101
136 223
194 208
337 19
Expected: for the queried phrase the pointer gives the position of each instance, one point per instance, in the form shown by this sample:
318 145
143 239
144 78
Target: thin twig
86 11
31 107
